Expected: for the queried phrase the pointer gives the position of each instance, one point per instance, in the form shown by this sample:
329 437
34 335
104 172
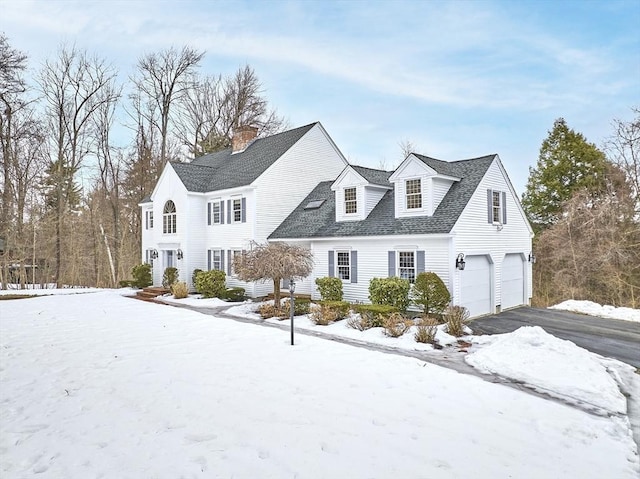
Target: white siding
289 180
373 260
372 196
440 187
475 235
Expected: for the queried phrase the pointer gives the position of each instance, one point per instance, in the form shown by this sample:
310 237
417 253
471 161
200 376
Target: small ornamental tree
275 262
430 293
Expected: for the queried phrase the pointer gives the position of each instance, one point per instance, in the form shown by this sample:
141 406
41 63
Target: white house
461 219
202 213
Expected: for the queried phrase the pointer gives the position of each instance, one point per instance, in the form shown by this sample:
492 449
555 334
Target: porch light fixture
532 258
460 262
154 254
180 254
292 289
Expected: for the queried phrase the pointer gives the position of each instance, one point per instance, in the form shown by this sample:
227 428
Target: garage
512 281
475 288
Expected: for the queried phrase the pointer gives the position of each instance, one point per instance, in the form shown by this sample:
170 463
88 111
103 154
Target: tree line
583 203
70 190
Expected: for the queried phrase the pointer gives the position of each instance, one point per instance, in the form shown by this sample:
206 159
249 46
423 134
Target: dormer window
350 201
413 191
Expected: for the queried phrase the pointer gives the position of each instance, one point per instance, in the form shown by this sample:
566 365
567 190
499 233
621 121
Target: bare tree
275 262
162 79
593 251
407 147
74 87
213 107
623 148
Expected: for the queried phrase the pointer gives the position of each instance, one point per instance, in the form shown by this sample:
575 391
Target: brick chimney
242 137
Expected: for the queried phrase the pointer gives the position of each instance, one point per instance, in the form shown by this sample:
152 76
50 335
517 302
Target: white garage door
475 289
512 281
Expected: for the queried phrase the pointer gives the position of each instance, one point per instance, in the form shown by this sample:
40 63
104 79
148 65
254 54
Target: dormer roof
321 222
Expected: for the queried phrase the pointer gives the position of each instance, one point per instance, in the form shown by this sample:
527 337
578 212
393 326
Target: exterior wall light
460 262
180 254
154 254
532 258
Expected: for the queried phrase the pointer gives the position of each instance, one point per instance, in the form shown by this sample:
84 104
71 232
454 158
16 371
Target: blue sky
458 79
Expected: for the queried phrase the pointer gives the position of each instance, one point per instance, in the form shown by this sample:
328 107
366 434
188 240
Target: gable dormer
418 187
357 191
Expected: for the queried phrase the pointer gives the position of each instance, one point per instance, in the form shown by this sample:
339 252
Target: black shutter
354 266
244 210
228 211
222 212
392 263
504 207
420 261
209 214
490 206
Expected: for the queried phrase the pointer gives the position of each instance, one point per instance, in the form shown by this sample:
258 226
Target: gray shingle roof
376 177
222 170
321 222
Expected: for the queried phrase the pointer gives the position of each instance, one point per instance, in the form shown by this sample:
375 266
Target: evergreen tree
567 163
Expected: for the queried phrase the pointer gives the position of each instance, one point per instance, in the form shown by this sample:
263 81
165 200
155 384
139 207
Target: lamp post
292 289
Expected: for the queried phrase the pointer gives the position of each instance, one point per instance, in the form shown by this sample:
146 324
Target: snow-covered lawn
595 309
98 385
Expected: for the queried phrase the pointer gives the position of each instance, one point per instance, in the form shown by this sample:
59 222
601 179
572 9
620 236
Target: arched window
169 218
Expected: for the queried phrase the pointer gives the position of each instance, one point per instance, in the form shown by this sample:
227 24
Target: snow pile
550 365
195 300
595 309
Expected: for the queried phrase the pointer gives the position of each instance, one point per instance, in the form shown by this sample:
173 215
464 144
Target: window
149 220
314 204
169 218
350 201
169 259
216 259
407 265
496 207
413 190
215 213
237 210
343 269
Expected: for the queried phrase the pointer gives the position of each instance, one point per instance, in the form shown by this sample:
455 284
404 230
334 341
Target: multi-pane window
343 267
407 265
216 259
169 218
237 210
496 207
149 220
413 191
350 201
215 213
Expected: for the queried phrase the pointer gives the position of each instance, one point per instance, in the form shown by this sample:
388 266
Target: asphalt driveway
608 337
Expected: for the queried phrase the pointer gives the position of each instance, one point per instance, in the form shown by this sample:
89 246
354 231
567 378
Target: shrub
234 295
179 290
330 289
396 325
391 291
342 307
141 275
211 284
300 306
267 310
169 276
374 314
430 293
456 318
193 278
426 330
126 283
359 322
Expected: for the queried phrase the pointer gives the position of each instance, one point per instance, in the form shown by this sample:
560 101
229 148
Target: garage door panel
476 285
512 289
